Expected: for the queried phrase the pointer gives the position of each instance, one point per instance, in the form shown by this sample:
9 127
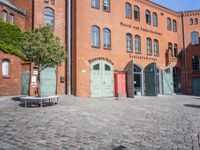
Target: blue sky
179 5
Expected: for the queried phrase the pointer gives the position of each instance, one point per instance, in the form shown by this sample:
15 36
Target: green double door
102 80
48 81
168 83
151 80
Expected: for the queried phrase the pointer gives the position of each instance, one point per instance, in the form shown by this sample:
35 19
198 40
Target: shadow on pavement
192 105
16 99
121 147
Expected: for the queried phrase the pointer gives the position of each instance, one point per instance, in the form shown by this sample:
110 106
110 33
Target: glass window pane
129 42
107 67
11 18
155 19
128 10
137 44
194 38
49 17
5 68
95 3
136 13
96 67
106 5
107 38
4 15
95 36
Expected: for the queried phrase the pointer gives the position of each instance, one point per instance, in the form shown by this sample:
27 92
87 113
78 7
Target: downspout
69 47
33 13
185 53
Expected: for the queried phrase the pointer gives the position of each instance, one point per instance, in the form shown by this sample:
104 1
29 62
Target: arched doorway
177 80
138 80
101 79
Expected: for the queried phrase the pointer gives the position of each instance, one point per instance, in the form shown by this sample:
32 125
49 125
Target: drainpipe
185 53
69 47
33 14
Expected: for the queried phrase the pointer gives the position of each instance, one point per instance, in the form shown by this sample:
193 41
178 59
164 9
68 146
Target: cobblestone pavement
143 123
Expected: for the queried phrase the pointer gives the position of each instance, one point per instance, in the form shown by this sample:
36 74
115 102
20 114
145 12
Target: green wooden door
101 82
130 79
196 86
25 81
108 80
48 81
151 80
168 85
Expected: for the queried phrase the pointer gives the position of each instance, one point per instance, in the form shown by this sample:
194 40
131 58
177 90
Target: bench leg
25 103
41 103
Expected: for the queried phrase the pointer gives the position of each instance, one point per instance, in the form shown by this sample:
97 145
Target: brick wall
10 85
83 51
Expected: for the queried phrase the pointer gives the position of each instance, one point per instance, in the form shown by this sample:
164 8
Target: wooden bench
38 100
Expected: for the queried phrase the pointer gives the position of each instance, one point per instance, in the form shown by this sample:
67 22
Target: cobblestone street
143 123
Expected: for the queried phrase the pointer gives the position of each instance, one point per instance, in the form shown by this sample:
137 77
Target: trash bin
120 84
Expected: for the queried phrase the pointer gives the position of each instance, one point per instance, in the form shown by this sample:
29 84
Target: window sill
128 17
129 52
95 7
138 53
107 11
107 48
149 54
96 47
6 77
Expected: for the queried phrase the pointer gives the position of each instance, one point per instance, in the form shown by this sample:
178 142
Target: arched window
4 15
191 21
95 4
136 13
176 50
129 42
174 26
169 24
149 46
194 38
5 67
137 44
148 17
155 19
128 10
196 63
49 17
11 18
107 38
170 48
95 36
196 21
106 5
156 48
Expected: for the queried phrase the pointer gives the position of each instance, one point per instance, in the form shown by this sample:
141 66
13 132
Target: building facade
32 14
156 47
139 37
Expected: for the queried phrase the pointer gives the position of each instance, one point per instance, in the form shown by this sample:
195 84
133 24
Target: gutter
13 7
69 82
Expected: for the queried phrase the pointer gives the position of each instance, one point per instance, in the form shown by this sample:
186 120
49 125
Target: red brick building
157 48
109 34
22 76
